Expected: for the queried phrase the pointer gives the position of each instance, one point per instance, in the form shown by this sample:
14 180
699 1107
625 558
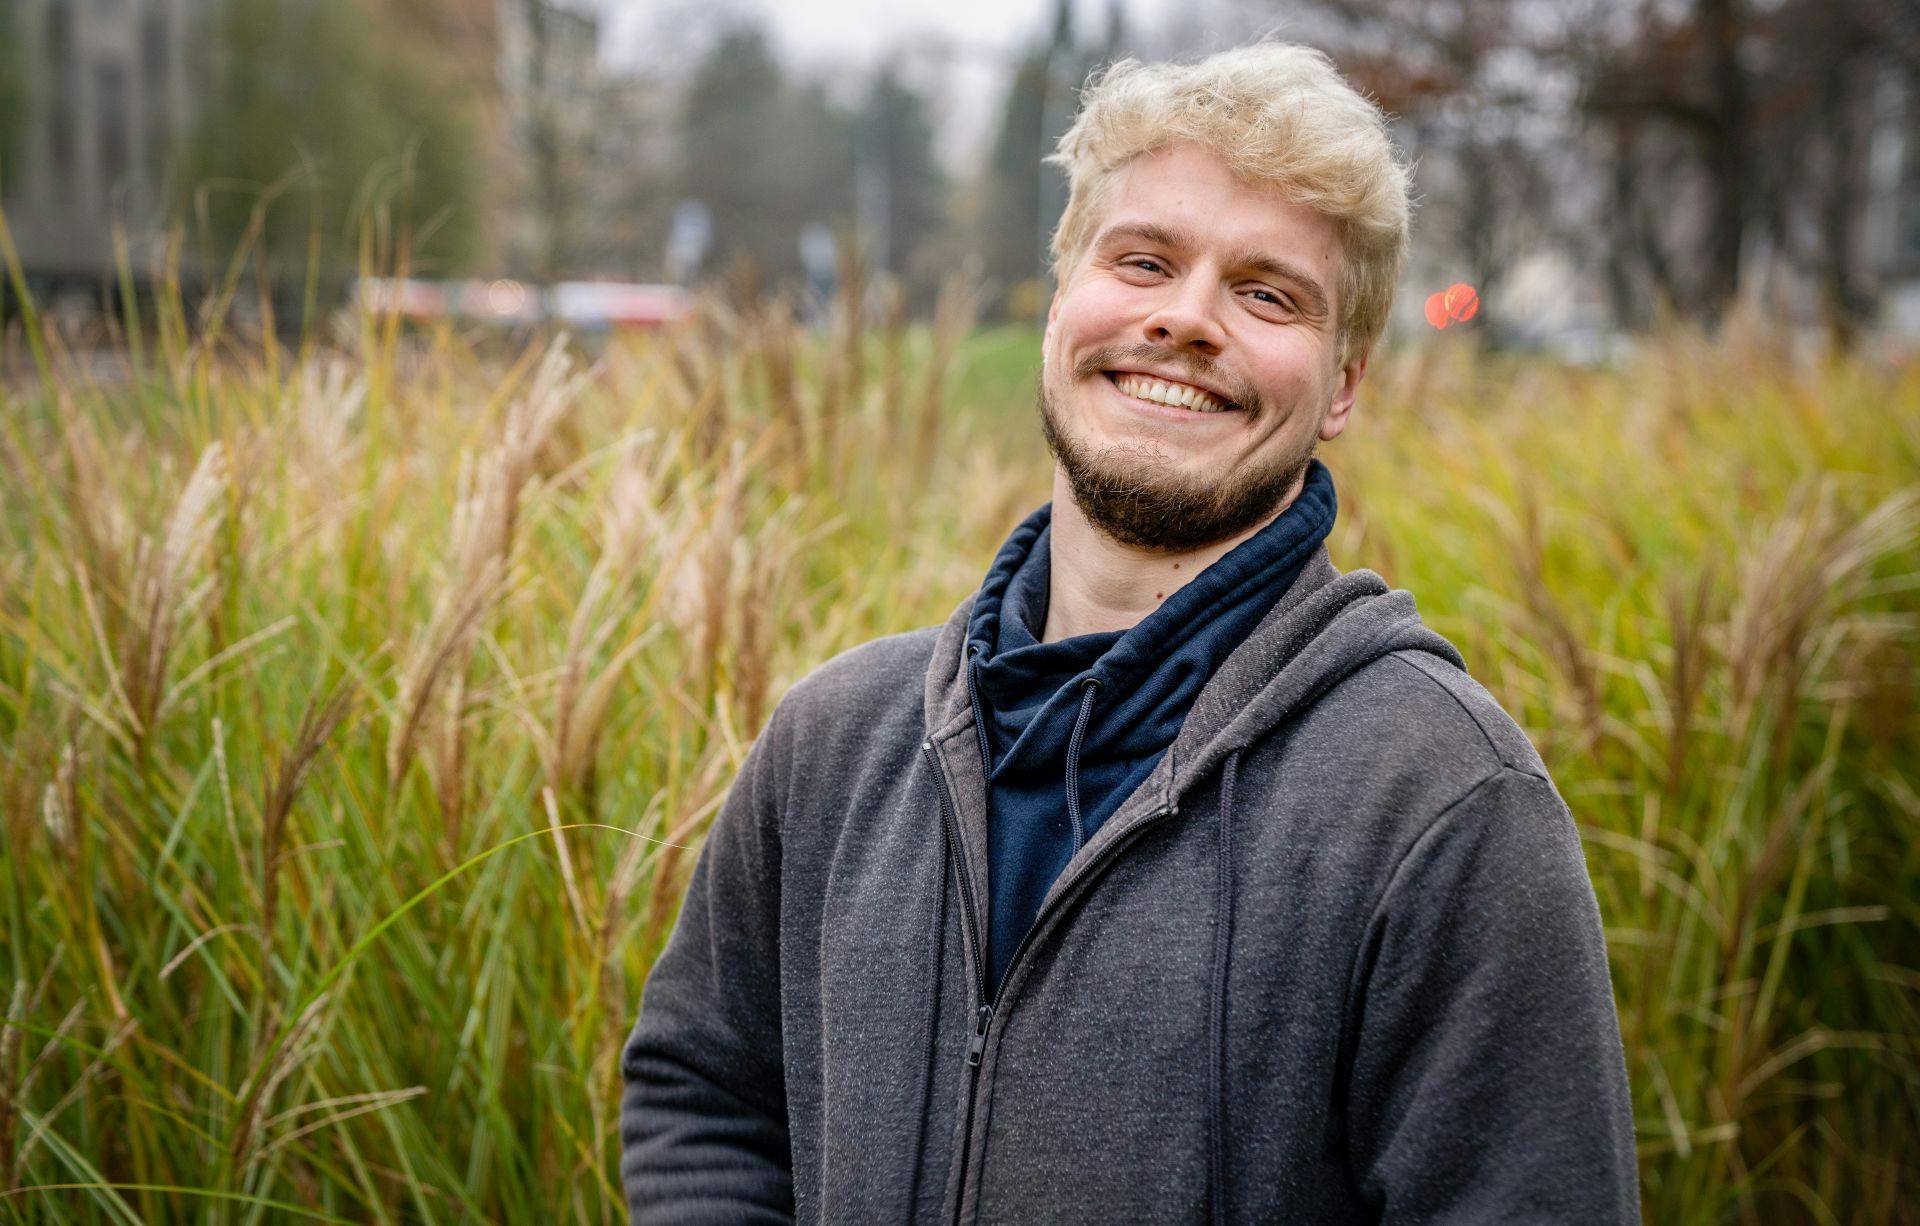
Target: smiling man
1179 876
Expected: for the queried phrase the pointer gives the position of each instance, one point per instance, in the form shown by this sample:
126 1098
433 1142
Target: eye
1141 261
1268 295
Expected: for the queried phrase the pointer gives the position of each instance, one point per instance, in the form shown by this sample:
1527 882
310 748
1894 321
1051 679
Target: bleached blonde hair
1278 114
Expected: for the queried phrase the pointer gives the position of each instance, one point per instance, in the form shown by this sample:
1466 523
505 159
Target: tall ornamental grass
364 705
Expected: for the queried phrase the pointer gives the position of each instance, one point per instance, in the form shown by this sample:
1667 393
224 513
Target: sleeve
1487 1081
703 1118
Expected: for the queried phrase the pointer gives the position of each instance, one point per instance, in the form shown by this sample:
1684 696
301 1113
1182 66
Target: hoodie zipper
984 1013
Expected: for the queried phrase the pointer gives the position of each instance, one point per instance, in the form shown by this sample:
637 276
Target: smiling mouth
1168 393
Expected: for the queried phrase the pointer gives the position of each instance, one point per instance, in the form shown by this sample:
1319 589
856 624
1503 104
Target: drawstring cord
1222 940
1073 759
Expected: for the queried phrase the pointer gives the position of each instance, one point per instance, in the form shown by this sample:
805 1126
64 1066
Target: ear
1336 419
1053 312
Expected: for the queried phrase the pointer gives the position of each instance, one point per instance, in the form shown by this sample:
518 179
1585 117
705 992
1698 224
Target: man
1179 876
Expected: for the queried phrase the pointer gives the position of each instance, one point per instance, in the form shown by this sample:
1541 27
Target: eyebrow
1253 261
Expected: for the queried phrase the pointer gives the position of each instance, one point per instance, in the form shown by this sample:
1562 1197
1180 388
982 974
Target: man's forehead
1200 182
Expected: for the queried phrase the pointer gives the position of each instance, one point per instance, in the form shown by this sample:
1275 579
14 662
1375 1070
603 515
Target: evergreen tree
1012 223
1118 35
765 157
13 93
813 157
904 186
1024 198
322 100
732 107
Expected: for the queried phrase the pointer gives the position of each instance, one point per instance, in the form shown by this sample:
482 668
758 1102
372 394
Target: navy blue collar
1010 613
1149 674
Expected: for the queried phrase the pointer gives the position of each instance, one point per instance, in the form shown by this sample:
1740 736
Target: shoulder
885 671
1464 708
852 718
1450 788
872 690
1499 800
1416 707
1408 736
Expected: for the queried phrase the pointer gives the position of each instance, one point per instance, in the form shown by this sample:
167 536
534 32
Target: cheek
1093 314
1294 371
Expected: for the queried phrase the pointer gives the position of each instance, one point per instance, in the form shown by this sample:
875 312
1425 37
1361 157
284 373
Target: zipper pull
978 1043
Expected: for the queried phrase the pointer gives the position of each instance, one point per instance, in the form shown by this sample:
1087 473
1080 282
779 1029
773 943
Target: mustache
1196 368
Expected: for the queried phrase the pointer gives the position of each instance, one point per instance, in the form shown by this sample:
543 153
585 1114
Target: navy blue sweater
1071 728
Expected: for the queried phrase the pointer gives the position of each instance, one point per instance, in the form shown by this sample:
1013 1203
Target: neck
1097 584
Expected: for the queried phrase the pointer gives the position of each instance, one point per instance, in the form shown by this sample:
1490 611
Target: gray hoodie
1336 960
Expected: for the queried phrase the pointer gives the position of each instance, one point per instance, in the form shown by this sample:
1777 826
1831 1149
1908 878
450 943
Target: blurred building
111 88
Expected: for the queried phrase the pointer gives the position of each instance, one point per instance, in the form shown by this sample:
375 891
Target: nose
1185 318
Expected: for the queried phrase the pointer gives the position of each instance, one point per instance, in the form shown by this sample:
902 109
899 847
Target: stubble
1135 496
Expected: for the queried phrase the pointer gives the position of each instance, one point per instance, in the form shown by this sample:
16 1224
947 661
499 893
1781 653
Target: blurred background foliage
762 151
1585 166
13 94
331 107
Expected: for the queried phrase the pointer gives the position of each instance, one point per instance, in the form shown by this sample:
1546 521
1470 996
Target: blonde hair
1277 113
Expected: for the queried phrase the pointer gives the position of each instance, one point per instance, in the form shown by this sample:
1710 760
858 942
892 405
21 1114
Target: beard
1138 497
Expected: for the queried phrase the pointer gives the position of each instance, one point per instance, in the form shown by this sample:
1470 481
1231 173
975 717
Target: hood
1026 692
1327 625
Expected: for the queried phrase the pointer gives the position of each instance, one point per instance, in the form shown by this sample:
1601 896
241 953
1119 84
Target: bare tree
1480 100
1772 106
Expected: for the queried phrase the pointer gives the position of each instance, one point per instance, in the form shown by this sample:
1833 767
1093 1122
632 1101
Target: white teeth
1178 395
